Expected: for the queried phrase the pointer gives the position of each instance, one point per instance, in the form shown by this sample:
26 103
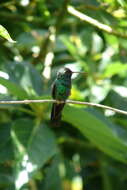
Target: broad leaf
35 145
53 179
6 149
98 130
26 76
38 141
13 88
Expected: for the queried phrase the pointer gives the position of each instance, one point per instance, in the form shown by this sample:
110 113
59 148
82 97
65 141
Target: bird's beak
80 72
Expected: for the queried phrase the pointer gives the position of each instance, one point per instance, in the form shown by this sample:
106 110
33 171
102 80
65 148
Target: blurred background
89 148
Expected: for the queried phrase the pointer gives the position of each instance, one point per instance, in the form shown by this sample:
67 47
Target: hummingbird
61 89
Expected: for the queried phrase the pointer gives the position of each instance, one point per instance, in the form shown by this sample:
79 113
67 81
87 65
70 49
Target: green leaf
35 145
23 130
6 180
42 144
106 181
38 141
4 134
25 75
34 77
71 47
120 101
52 179
14 88
6 150
98 130
4 33
115 68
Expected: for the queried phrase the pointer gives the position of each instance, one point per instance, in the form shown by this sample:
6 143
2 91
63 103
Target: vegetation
89 148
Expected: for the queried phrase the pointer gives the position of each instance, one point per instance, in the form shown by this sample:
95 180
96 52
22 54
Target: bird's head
64 72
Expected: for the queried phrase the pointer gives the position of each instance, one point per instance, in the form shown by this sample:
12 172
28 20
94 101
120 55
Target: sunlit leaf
13 88
4 33
25 76
115 68
35 145
36 140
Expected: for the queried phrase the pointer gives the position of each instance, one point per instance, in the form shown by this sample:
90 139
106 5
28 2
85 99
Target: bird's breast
63 90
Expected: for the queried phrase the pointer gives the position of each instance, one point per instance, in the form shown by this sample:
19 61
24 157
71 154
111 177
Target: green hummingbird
61 90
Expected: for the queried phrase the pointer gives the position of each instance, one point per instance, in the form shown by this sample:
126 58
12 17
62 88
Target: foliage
89 148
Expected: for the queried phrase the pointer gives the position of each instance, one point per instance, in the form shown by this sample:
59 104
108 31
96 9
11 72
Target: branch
68 102
20 18
95 22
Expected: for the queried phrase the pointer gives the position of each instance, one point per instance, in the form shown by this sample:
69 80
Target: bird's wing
54 90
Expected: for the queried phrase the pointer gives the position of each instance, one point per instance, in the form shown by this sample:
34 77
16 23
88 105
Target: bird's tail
56 113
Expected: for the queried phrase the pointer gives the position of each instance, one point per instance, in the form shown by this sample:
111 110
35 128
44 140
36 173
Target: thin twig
68 102
95 22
